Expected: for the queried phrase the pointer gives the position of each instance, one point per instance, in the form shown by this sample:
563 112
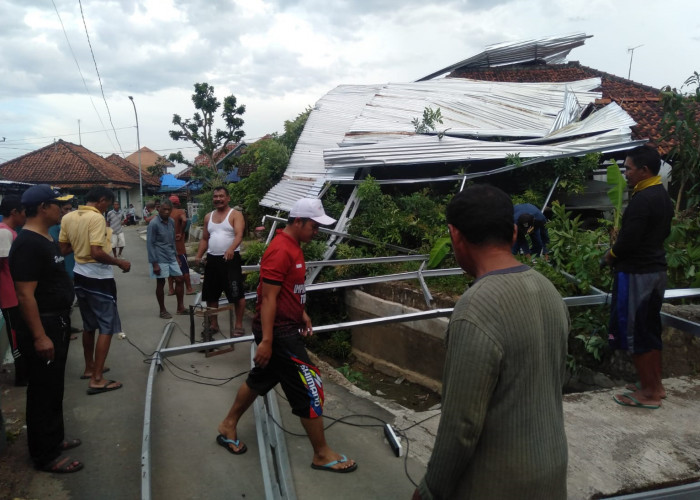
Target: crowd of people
502 410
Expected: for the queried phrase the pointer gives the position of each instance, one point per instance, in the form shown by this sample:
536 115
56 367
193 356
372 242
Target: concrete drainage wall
414 350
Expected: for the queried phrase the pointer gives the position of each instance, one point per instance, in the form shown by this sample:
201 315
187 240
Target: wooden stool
206 334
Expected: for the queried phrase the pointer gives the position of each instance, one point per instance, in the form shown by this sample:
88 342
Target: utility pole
80 137
138 145
631 53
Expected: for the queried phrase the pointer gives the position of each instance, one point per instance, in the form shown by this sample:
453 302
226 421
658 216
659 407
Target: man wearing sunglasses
45 295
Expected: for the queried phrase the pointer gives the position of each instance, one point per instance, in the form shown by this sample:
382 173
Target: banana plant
616 193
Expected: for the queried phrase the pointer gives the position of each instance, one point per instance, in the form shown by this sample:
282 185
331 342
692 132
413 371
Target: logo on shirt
298 266
58 259
300 290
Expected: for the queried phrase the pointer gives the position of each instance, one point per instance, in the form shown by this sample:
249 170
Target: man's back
507 349
178 215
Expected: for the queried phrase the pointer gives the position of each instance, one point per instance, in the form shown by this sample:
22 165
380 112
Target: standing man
180 218
639 261
14 216
530 221
66 206
221 239
160 241
280 323
85 233
114 221
45 296
501 434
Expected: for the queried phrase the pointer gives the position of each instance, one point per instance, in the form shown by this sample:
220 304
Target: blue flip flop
635 403
225 442
329 466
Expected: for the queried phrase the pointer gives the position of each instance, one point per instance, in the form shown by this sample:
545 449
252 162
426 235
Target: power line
80 71
99 78
69 134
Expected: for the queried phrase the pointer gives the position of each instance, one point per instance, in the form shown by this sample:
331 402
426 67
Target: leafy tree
158 168
270 157
293 129
680 123
199 130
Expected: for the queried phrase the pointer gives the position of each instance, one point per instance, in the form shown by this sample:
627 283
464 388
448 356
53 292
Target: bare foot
637 386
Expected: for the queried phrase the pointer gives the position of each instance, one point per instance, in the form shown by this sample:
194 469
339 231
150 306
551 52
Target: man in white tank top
221 240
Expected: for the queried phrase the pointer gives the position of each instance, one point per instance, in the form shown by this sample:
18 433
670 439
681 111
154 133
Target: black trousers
45 389
11 315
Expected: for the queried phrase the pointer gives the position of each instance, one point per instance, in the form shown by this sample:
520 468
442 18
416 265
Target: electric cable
167 363
99 78
81 73
405 458
420 421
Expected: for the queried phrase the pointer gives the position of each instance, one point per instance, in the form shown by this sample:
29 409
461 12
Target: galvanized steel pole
138 145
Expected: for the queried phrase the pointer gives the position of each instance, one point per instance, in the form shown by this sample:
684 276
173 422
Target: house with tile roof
76 169
223 154
148 159
151 183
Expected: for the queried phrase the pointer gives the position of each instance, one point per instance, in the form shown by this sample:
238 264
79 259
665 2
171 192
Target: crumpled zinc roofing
552 50
358 126
368 126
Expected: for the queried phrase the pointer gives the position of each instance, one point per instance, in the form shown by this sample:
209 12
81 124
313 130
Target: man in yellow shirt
85 232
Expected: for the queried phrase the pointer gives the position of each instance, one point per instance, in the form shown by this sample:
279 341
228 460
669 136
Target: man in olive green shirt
501 433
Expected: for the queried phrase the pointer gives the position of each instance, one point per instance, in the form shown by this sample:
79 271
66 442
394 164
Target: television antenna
631 53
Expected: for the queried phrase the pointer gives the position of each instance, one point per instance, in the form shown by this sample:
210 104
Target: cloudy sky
280 56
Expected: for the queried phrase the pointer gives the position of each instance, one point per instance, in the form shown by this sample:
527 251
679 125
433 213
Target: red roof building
147 179
68 166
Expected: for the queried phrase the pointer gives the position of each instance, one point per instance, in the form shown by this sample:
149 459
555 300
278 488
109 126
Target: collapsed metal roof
358 126
552 50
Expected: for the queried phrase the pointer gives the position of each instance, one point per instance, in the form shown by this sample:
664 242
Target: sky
279 57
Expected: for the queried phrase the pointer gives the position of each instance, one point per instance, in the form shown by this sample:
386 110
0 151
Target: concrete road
611 448
187 407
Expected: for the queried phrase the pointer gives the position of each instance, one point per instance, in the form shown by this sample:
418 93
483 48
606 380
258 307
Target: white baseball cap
311 208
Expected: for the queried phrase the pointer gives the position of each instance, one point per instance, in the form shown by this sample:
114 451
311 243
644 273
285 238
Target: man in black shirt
639 260
45 295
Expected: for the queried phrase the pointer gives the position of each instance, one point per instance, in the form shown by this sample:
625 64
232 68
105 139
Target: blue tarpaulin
169 183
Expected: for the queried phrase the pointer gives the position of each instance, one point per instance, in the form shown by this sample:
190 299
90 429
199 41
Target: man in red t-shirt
13 215
280 323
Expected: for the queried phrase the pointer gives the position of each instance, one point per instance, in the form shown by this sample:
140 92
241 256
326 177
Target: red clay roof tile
67 165
133 171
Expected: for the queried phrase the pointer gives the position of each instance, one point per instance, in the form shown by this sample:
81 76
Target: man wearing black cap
280 323
45 294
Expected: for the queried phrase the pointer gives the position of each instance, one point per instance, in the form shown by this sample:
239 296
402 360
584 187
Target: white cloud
279 56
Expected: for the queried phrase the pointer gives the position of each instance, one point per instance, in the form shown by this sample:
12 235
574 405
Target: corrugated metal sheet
419 150
358 126
470 108
553 49
325 127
